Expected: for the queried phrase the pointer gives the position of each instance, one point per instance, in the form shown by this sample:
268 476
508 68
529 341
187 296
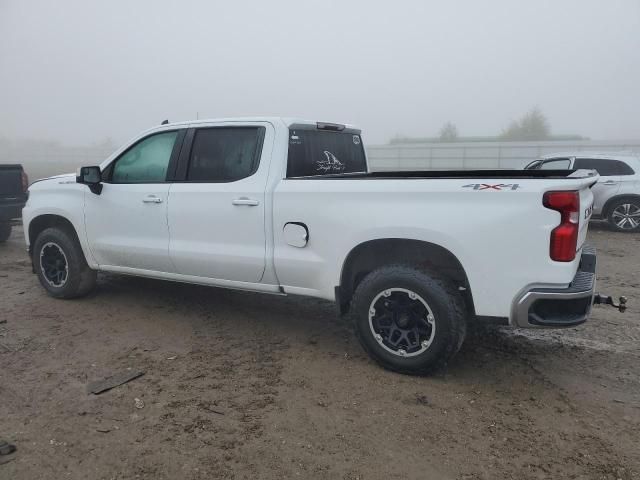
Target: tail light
564 238
25 182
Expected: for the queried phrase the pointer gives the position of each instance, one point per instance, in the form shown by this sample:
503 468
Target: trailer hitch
608 300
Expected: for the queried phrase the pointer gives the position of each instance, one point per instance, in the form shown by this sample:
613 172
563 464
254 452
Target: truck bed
455 174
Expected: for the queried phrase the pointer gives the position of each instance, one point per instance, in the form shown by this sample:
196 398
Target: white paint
295 235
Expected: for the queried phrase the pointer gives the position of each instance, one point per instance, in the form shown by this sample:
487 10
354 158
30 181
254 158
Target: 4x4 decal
488 186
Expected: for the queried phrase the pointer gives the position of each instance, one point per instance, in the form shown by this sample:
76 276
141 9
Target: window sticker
329 164
295 139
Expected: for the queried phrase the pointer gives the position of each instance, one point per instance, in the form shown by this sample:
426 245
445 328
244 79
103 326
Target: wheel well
611 201
373 254
42 222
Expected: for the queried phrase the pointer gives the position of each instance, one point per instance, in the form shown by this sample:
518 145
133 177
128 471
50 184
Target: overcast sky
79 71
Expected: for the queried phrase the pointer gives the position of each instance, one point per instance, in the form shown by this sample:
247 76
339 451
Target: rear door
217 205
609 182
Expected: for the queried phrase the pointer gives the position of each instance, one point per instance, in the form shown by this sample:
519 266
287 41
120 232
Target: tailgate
586 210
10 181
586 180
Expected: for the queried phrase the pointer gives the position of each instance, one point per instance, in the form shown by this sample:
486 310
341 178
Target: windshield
533 165
556 164
319 152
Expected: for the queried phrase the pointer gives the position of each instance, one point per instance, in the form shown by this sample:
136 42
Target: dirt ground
241 385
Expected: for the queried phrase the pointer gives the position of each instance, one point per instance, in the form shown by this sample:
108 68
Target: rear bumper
559 307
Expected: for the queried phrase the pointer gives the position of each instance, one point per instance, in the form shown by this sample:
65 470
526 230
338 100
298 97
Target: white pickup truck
285 206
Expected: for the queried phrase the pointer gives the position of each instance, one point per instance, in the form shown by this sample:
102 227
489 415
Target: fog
79 72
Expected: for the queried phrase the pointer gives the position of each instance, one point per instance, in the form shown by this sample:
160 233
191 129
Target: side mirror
92 177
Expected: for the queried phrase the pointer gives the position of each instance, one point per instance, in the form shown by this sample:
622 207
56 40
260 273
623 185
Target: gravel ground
241 385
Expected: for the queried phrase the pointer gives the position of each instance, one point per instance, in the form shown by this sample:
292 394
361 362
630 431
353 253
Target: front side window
147 161
225 154
556 164
319 152
604 167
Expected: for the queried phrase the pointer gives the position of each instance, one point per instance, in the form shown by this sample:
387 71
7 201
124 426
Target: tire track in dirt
212 398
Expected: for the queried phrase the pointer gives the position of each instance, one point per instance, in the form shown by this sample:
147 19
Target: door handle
250 202
151 199
609 182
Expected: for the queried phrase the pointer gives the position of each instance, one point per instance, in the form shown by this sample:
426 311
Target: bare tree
449 132
532 126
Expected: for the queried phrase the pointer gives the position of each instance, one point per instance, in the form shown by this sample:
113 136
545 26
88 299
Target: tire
382 305
5 231
60 264
624 215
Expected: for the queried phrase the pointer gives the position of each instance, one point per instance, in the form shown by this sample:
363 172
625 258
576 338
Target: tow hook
608 300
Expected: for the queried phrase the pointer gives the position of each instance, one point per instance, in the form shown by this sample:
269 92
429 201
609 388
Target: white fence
481 155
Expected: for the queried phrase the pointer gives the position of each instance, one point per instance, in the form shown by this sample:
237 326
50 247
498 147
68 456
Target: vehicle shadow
600 226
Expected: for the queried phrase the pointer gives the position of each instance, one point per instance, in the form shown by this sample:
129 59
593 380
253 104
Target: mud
241 385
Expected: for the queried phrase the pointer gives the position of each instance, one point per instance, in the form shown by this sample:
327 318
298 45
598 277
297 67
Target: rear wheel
408 320
624 215
5 231
60 264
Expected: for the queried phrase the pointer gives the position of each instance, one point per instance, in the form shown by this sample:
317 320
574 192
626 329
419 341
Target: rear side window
604 167
319 152
225 154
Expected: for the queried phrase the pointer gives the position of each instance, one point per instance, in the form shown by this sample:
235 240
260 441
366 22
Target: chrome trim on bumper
581 288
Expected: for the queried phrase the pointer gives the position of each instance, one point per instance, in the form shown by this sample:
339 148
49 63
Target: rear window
604 167
10 180
319 152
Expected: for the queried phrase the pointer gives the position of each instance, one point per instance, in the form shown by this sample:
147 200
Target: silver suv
617 193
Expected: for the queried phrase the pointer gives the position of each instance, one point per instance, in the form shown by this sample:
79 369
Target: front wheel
408 320
60 264
624 215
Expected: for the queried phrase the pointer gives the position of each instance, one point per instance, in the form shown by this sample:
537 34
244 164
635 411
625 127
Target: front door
217 212
126 224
